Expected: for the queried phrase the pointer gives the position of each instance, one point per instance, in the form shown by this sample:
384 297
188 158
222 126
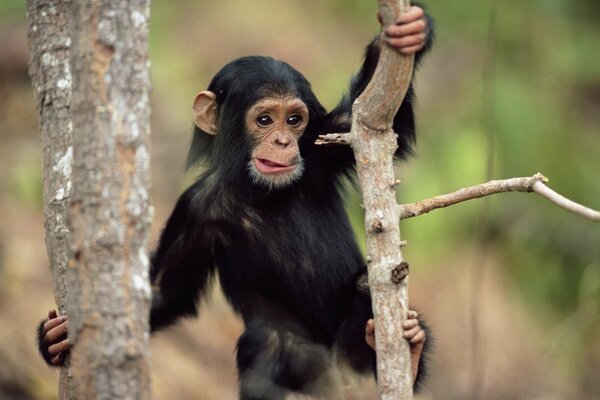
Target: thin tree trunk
110 211
90 71
374 144
50 42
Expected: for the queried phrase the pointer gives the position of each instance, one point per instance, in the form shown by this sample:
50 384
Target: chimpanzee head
250 121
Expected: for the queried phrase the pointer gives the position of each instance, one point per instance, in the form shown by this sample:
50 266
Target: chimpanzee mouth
271 167
274 175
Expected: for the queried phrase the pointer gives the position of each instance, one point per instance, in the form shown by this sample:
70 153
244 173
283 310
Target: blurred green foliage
26 185
545 99
546 86
12 8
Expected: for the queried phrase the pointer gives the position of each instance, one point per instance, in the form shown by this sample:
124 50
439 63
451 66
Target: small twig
534 183
334 138
565 203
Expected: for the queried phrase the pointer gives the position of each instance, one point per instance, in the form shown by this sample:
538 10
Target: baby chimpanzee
267 215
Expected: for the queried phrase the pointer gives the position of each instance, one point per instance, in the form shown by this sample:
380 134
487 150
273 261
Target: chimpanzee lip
267 166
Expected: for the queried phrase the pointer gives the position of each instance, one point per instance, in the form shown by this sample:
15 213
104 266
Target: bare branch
565 203
374 143
334 138
535 183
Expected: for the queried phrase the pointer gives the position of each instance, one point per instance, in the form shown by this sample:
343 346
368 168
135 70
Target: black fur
42 345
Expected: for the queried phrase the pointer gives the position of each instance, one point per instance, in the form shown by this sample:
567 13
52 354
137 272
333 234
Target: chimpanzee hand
409 34
412 332
52 339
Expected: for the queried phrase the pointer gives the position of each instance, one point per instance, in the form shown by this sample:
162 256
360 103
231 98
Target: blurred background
510 285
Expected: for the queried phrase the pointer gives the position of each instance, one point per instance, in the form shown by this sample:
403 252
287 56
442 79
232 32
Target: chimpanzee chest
303 258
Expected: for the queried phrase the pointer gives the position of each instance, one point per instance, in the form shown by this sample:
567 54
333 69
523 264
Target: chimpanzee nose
283 140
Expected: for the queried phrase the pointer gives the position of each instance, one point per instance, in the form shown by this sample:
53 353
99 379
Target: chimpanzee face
274 124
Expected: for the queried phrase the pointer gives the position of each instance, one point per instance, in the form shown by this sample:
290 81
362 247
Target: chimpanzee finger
419 337
408 50
413 13
53 323
370 328
370 333
57 332
409 324
411 332
406 42
412 314
411 50
52 314
412 28
58 347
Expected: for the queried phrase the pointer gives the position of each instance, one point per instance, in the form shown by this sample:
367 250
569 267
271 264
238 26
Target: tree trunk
374 144
50 42
92 87
110 212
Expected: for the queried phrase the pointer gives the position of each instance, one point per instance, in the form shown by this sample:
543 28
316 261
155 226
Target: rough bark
110 211
51 78
96 178
374 144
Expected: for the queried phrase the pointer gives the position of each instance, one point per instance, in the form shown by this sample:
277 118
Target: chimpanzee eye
294 119
264 120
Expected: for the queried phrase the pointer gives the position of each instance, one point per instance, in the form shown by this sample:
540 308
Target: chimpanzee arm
180 271
339 119
182 266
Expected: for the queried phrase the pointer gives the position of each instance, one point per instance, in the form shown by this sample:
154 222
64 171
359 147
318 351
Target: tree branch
535 183
374 143
565 203
334 138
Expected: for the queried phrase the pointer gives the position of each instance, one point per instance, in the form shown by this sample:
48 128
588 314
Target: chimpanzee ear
205 112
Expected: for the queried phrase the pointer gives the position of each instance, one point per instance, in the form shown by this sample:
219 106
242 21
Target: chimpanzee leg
350 343
274 361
